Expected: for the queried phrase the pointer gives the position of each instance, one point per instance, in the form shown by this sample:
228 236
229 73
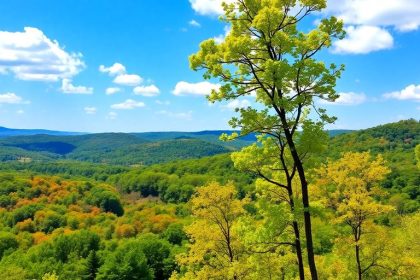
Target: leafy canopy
267 55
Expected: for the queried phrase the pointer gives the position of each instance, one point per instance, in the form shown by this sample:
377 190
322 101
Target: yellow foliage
50 276
215 251
349 186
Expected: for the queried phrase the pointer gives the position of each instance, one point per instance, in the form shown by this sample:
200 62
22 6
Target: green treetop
267 54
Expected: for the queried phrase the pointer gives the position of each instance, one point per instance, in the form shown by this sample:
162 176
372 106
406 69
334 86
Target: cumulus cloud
403 15
237 104
220 38
11 98
411 92
118 71
128 79
194 23
148 91
129 104
201 88
115 69
363 39
179 115
68 87
31 55
208 7
347 98
165 102
370 21
111 116
112 90
90 110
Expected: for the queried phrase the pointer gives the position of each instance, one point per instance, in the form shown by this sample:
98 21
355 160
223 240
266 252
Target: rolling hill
110 148
157 147
7 132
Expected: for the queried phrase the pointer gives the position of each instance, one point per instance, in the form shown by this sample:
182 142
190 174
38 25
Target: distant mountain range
6 132
116 148
157 147
160 135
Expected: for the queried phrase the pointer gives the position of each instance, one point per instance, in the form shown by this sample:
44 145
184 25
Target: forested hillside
110 148
396 142
81 220
118 148
8 132
189 140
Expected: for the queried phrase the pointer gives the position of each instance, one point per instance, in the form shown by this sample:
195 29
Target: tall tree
349 186
276 184
266 54
92 265
216 251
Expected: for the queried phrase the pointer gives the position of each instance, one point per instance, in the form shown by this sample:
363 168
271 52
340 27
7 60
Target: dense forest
278 197
79 220
118 148
110 148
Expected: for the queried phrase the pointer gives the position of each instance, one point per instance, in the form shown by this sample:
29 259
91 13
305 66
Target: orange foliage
125 231
57 195
39 237
138 226
75 208
37 181
95 210
24 201
161 222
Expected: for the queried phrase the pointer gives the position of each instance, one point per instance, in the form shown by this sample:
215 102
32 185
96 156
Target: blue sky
103 65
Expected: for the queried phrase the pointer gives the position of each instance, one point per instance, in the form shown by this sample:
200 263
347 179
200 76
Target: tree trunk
298 251
305 196
297 234
307 221
359 267
357 231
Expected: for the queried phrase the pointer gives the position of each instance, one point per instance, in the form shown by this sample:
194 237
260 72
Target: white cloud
90 110
160 102
20 112
194 23
403 15
240 104
201 88
30 55
148 91
115 69
180 115
220 38
112 90
10 98
129 104
411 92
118 71
128 79
370 20
68 87
208 7
363 39
111 116
347 98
